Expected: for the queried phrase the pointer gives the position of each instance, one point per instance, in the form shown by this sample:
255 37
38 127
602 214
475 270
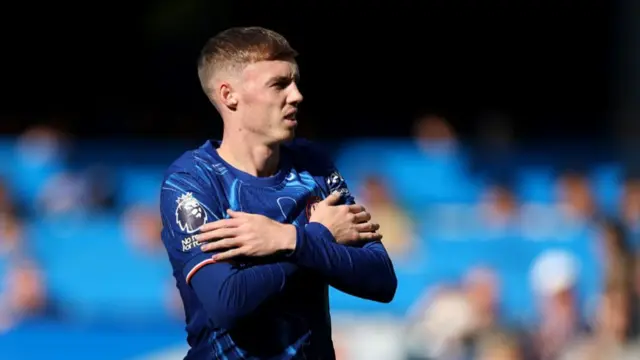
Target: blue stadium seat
414 177
535 184
25 176
138 185
92 272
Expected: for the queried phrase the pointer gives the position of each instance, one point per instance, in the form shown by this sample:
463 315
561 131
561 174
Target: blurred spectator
10 235
554 276
40 154
25 294
620 267
631 201
435 136
630 209
143 225
63 193
91 190
436 170
576 198
22 293
617 254
10 229
449 323
22 290
482 289
610 338
395 224
42 144
440 325
499 210
6 202
76 192
497 345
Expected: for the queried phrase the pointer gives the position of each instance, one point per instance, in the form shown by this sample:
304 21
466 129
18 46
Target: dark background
368 68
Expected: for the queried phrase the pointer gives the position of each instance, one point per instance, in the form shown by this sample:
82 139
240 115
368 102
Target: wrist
318 230
289 238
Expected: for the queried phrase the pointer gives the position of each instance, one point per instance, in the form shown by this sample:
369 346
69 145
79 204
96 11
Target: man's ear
227 96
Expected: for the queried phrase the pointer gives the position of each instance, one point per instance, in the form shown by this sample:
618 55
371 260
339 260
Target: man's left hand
245 234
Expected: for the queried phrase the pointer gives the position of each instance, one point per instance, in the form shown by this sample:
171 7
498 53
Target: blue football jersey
198 188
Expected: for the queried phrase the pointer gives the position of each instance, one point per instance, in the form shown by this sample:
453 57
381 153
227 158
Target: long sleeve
228 294
366 271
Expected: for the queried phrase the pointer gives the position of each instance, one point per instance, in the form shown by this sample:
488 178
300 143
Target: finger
219 245
236 214
367 227
361 217
217 234
369 236
356 208
219 224
228 254
333 198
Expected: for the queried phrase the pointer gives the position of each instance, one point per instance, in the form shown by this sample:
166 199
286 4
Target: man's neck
249 156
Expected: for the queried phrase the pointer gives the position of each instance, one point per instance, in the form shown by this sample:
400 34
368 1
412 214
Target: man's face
268 99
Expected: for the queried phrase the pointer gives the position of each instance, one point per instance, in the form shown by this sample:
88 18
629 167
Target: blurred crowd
498 261
582 238
39 181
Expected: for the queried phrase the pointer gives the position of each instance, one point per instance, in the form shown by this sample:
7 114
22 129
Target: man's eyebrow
283 78
279 78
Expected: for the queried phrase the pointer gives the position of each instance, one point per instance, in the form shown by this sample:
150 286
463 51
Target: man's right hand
347 223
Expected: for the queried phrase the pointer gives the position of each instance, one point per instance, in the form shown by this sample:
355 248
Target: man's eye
281 84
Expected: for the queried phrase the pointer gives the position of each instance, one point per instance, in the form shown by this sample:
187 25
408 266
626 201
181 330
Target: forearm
229 294
365 272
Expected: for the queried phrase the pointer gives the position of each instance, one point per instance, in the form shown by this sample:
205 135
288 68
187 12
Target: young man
258 225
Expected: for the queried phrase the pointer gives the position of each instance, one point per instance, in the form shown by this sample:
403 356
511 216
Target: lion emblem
336 182
190 214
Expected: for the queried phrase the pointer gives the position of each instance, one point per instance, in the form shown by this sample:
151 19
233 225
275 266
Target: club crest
335 181
190 215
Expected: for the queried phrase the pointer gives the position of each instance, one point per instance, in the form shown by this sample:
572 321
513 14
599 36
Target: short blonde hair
234 48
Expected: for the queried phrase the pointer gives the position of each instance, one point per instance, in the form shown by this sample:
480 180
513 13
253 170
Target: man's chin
284 136
290 135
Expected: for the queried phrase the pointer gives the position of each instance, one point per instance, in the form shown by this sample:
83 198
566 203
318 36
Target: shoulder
194 167
182 169
186 164
188 182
